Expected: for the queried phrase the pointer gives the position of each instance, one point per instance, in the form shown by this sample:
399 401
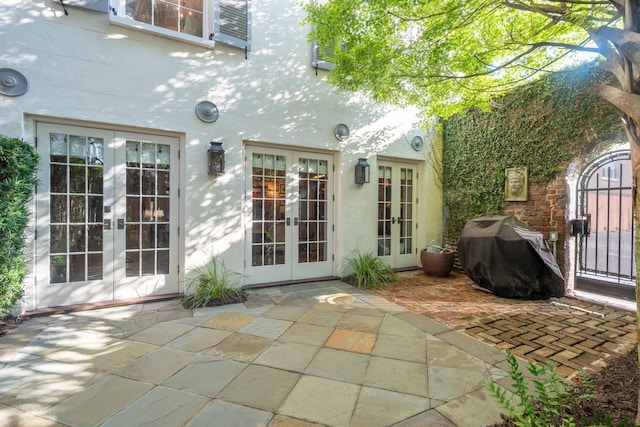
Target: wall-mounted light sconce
207 111
362 172
215 157
341 132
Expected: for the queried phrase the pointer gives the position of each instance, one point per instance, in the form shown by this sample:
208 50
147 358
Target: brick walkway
571 333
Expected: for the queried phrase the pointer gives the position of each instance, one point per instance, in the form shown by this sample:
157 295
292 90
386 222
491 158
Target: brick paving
571 333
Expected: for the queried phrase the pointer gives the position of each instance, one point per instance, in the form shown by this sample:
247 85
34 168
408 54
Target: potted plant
436 260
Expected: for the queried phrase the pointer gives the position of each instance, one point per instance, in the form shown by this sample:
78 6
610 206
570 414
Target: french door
107 215
290 215
396 213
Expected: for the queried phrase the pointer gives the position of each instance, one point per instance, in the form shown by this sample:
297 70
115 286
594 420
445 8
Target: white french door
396 212
290 215
107 215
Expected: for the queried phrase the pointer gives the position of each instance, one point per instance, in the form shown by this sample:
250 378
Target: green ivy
539 127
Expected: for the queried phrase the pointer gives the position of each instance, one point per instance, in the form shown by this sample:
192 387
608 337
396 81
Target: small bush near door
18 164
213 284
369 271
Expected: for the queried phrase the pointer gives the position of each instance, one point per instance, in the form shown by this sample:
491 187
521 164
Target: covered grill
505 256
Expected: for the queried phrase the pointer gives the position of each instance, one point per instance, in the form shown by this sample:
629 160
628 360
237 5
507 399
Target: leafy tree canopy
445 56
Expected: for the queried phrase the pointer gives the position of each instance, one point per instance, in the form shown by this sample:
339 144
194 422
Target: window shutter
322 57
233 23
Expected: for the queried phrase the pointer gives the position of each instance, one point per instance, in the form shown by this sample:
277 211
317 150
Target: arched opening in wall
604 228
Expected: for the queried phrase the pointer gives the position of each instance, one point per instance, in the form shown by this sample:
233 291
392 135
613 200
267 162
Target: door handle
288 221
106 224
120 223
393 220
295 221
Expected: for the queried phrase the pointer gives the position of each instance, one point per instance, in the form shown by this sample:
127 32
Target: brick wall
546 211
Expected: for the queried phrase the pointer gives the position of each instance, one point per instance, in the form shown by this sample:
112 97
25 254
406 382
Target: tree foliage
449 55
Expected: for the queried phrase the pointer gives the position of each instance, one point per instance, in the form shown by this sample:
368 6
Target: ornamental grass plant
213 284
369 271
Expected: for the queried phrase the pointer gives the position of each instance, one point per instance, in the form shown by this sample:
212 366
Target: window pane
58 269
95 180
163 235
58 147
94 266
162 214
95 238
133 236
163 183
95 209
148 182
58 239
76 179
148 263
148 236
76 268
165 15
133 209
77 238
148 156
191 23
58 209
163 262
77 149
58 178
77 209
132 264
164 156
133 153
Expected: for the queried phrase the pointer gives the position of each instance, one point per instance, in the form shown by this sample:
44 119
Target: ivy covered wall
542 127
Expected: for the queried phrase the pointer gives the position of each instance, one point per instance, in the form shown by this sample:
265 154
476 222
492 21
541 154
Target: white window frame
210 26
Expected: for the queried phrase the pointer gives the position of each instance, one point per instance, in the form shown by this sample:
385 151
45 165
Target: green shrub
547 406
18 164
213 284
369 271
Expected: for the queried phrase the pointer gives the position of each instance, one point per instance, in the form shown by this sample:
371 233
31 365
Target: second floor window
226 21
184 16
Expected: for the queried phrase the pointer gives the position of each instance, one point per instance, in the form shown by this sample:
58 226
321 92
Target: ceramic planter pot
437 264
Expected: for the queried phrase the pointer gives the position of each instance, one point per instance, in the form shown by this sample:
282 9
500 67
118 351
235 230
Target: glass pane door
106 213
312 210
396 212
147 208
76 200
268 197
72 255
290 215
146 215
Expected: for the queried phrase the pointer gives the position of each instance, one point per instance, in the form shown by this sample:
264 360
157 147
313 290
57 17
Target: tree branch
626 103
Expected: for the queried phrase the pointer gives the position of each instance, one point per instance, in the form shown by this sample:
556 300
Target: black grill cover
505 256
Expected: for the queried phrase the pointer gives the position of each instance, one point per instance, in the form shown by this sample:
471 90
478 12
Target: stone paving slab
318 354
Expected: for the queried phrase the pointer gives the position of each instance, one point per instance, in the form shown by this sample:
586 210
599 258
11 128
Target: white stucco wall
85 70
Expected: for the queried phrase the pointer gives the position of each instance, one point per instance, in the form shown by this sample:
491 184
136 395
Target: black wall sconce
363 172
215 157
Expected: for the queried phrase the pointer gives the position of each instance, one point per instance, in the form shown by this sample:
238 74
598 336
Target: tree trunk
635 164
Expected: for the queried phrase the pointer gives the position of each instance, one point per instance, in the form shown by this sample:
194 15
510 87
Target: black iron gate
605 229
